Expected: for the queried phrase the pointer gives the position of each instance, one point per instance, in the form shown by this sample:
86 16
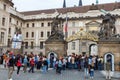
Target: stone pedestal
17 51
55 45
58 47
111 48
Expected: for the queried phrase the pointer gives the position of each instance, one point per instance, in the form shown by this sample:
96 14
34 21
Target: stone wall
57 47
110 47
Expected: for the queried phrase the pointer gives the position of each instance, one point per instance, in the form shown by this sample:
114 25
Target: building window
8 43
41 45
81 24
32 34
27 34
73 24
9 31
17 23
27 24
32 45
2 36
42 24
33 25
25 53
41 53
21 24
49 23
73 32
4 6
42 34
3 21
83 43
31 53
26 45
73 45
48 34
10 20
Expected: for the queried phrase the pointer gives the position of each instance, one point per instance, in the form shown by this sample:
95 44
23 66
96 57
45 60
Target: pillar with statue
55 45
109 41
17 42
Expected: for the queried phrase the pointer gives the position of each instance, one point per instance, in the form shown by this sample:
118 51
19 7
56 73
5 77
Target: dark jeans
99 67
31 69
73 66
64 67
58 70
69 65
91 73
44 68
18 69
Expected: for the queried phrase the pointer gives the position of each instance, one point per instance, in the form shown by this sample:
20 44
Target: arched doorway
93 49
52 56
109 56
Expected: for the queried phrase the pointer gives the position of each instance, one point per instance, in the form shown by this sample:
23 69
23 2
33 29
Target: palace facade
36 25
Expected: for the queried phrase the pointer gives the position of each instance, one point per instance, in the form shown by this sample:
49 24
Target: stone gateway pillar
59 48
55 42
109 41
112 49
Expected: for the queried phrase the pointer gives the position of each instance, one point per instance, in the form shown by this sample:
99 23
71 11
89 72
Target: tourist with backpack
10 66
86 67
59 66
45 64
25 62
92 70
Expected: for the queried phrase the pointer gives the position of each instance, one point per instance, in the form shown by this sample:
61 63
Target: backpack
92 64
8 63
90 61
60 64
25 61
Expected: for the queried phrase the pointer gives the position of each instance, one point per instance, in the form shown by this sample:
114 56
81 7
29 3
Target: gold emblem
82 35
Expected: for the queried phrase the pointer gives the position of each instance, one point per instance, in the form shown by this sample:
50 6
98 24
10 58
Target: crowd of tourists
78 62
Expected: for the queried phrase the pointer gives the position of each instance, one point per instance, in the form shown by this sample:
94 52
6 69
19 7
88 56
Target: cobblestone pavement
51 75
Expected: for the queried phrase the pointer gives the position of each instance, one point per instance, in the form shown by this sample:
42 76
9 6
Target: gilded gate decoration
82 35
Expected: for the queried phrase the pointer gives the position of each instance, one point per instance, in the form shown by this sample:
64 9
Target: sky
29 5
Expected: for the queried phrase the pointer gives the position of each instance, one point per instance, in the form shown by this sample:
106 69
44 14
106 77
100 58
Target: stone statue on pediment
108 28
55 25
56 32
17 30
93 7
17 40
17 36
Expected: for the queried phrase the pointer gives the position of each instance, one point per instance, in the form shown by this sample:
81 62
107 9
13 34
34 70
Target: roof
76 9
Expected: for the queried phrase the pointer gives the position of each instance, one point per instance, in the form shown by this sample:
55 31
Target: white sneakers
10 79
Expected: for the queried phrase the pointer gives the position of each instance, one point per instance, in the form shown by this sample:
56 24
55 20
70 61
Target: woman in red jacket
32 63
19 64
